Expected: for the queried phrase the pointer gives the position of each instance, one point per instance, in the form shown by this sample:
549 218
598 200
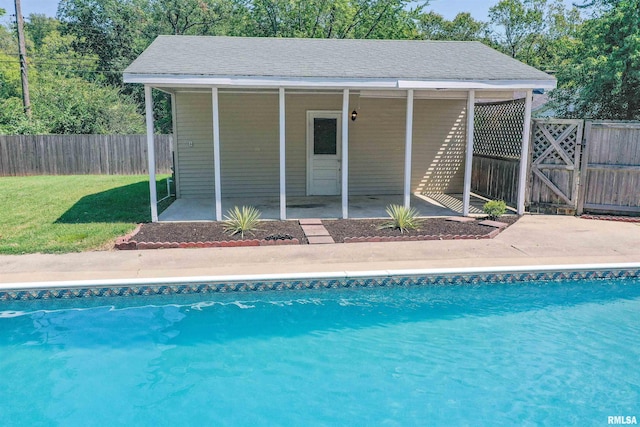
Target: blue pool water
552 353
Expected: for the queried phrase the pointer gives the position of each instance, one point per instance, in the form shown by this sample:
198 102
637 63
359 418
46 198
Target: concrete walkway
534 240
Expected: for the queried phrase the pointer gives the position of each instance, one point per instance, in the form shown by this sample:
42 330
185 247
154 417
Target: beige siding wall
194 145
377 141
249 144
439 138
376 147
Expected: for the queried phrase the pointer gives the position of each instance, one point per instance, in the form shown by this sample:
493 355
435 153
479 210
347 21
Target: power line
15 61
26 101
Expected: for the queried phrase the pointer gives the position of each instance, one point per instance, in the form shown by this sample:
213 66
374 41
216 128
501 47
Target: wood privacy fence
574 166
554 165
610 180
22 155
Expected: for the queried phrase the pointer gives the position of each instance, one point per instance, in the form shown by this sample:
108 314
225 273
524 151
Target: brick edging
125 242
611 218
133 245
374 239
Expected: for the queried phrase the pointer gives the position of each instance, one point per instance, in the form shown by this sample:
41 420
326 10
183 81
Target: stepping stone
310 221
496 224
320 240
315 230
460 219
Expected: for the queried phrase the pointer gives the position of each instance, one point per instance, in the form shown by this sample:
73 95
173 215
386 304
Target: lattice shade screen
565 134
498 129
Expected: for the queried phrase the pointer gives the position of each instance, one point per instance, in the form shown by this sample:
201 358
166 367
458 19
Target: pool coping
301 281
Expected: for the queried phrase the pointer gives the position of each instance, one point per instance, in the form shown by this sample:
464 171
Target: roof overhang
329 83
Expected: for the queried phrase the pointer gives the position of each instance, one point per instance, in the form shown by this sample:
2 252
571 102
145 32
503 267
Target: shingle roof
329 58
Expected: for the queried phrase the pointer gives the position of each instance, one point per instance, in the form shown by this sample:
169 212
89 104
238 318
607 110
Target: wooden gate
611 168
555 165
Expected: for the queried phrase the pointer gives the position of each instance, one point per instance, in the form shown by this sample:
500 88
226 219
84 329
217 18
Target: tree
195 17
463 27
113 30
68 93
71 105
520 22
601 77
39 26
327 19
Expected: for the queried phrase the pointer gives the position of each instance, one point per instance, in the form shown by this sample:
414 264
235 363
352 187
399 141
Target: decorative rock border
314 281
375 239
126 243
612 218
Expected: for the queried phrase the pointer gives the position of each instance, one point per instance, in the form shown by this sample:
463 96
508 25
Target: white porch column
151 153
283 184
468 162
524 156
345 154
407 149
216 153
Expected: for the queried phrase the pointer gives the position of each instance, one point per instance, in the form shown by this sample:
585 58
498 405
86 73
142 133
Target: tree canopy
600 77
76 59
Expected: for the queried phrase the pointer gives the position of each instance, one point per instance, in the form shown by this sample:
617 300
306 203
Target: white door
323 153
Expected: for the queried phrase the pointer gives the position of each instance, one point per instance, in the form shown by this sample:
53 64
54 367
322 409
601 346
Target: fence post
584 167
524 155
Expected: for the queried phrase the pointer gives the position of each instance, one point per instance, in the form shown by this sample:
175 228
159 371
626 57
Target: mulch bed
433 227
212 234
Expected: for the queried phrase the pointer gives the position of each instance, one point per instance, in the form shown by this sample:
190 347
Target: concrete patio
321 207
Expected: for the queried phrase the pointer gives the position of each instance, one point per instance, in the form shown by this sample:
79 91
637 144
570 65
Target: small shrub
241 220
402 218
495 208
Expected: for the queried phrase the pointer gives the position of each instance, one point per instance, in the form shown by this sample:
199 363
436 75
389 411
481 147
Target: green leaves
241 220
402 218
495 208
601 77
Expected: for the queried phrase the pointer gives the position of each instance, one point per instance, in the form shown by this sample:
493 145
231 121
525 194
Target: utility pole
26 100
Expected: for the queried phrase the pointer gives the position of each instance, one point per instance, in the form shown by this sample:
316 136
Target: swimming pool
535 352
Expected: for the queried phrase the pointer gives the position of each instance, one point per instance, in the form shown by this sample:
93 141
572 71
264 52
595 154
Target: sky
448 8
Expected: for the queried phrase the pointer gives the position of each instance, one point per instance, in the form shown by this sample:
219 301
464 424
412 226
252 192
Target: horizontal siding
376 147
439 138
194 147
249 144
250 151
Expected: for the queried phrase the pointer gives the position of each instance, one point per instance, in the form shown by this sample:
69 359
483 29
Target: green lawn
56 214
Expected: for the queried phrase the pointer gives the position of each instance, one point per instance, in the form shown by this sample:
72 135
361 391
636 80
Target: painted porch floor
321 207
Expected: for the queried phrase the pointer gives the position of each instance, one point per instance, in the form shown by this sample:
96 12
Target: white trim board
335 83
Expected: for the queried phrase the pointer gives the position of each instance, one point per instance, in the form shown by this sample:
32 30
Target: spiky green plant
495 208
402 218
241 220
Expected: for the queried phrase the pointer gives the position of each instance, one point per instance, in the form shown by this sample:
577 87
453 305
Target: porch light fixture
354 115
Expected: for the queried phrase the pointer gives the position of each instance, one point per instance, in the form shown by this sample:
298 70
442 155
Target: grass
58 214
